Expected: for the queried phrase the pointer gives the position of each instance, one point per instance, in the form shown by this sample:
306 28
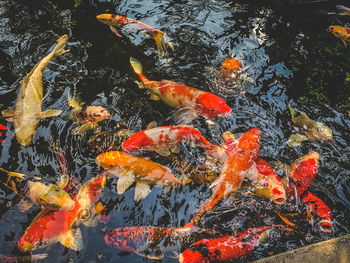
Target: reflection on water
287 56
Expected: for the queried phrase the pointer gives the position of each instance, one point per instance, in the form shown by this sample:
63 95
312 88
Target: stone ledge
336 250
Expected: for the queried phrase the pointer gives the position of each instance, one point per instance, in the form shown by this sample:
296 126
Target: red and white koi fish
198 102
50 227
267 183
166 139
156 242
129 168
317 212
236 167
113 20
227 248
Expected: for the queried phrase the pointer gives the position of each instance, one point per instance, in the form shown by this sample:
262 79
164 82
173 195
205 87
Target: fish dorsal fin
142 189
50 113
115 31
154 97
8 113
184 115
124 181
296 139
163 151
151 125
72 239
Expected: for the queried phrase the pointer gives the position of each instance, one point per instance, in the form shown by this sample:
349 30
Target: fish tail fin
162 42
292 111
74 101
137 67
13 174
59 49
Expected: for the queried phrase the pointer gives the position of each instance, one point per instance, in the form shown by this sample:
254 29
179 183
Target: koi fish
27 112
308 130
109 140
196 102
50 227
229 68
113 21
235 168
130 169
316 208
156 242
227 248
88 116
341 32
22 259
302 172
343 10
48 196
166 139
267 183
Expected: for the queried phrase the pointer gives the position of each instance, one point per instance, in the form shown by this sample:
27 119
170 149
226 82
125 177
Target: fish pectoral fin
345 43
151 125
8 113
142 189
50 113
115 31
296 139
163 151
154 97
184 115
24 205
140 84
72 239
124 182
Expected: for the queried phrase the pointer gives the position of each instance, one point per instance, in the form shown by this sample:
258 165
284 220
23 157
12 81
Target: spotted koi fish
166 139
197 102
113 21
236 167
156 242
227 248
50 227
129 168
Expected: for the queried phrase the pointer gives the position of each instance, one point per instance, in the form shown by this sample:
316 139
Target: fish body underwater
27 112
197 102
56 226
235 168
130 169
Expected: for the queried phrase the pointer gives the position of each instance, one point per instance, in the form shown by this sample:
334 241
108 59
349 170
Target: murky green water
289 56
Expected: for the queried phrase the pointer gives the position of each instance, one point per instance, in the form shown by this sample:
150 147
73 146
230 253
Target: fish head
230 67
137 141
108 19
89 194
340 31
97 113
210 105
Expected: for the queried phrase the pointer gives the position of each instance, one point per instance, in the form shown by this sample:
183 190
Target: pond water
289 56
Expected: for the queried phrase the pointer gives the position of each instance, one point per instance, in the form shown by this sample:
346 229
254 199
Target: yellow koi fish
341 32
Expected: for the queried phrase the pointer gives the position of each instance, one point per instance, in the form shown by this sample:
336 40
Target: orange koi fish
50 227
268 184
227 248
129 168
156 242
341 32
229 68
198 103
316 208
236 167
113 21
302 172
166 139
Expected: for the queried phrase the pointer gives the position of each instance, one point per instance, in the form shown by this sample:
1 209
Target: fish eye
46 242
37 243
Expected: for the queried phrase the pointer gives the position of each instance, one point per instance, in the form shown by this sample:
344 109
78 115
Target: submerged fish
227 248
113 20
109 140
197 102
49 196
156 242
88 116
308 130
341 32
130 169
23 259
267 183
166 139
229 68
235 169
50 227
343 10
27 112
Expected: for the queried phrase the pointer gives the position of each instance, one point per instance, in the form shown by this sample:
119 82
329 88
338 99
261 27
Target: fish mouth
26 246
280 200
331 28
325 226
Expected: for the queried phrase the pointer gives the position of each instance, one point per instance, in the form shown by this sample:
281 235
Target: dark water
289 56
